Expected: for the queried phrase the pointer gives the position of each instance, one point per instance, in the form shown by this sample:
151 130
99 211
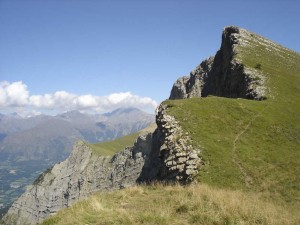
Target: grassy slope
108 148
157 204
266 133
263 165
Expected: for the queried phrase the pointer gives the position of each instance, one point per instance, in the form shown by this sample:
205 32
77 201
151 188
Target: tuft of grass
161 204
258 66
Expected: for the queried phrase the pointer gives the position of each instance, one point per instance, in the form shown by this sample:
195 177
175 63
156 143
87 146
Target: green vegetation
158 204
108 148
258 66
251 145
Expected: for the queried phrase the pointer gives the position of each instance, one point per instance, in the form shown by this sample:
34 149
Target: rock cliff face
223 75
81 174
180 161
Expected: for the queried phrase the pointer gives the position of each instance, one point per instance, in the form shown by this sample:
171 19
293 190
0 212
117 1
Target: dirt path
248 179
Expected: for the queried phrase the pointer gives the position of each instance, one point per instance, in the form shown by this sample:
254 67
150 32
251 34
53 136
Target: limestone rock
223 75
179 88
180 161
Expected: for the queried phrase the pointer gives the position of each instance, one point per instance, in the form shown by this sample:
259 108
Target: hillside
174 204
109 148
232 125
253 145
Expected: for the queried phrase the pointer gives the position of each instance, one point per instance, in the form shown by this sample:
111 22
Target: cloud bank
15 96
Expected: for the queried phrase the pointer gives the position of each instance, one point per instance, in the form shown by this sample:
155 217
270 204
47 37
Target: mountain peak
123 110
230 31
225 74
230 37
72 113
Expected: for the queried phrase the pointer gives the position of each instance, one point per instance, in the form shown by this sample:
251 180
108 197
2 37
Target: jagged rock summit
224 74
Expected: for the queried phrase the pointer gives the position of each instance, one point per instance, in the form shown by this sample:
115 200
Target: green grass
268 148
158 204
108 148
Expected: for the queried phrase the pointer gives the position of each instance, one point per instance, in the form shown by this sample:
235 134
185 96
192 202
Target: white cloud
58 100
118 97
87 101
16 96
13 94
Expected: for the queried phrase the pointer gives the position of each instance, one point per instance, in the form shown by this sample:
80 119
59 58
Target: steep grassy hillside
108 148
248 144
158 204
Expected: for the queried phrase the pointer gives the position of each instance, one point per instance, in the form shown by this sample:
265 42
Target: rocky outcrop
180 160
83 173
223 75
192 86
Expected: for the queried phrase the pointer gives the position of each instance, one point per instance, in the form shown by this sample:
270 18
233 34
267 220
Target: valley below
14 178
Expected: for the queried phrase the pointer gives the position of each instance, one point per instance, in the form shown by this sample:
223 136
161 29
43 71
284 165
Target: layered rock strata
223 74
180 160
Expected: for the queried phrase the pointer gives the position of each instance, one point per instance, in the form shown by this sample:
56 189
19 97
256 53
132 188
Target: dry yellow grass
175 204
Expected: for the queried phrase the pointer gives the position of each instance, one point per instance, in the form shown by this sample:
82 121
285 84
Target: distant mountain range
51 138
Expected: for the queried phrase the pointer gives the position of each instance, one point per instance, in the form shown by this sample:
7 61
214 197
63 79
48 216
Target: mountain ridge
225 139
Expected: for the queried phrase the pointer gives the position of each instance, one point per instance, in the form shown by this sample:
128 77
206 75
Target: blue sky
119 52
